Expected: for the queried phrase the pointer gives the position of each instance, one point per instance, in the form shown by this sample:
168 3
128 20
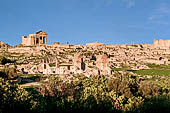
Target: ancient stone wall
1 42
94 44
102 63
77 61
161 43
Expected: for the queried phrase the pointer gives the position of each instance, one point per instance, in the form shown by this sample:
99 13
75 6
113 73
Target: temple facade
37 38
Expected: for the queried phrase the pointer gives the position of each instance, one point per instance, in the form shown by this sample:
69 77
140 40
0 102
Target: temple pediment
41 33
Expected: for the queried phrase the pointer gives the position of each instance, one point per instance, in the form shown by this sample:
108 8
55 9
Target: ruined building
161 43
53 66
102 65
78 62
78 66
37 38
1 42
95 44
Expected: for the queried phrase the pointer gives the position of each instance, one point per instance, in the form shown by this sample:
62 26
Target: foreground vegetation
119 93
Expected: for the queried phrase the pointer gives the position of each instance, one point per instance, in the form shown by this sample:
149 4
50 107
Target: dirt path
31 84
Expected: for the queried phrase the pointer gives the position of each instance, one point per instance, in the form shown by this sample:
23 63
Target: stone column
46 40
43 40
32 41
35 40
39 40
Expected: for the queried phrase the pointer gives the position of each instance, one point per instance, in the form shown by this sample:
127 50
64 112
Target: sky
85 21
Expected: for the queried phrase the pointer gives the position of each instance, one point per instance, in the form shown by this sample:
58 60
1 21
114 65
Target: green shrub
154 105
8 73
13 98
52 64
4 60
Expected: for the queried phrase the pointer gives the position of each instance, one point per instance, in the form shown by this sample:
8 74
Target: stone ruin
161 43
35 45
78 66
102 65
36 38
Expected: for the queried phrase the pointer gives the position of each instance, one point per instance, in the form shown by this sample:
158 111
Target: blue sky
83 21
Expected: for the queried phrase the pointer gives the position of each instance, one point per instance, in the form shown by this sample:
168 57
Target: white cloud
150 18
129 3
102 3
163 9
155 17
108 2
139 26
159 14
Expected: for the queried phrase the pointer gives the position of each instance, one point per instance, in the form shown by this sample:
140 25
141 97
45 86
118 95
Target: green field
34 77
151 72
154 66
154 70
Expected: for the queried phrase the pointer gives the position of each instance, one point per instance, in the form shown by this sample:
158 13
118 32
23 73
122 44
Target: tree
4 60
13 98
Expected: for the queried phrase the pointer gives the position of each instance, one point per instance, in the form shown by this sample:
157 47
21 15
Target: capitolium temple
37 38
